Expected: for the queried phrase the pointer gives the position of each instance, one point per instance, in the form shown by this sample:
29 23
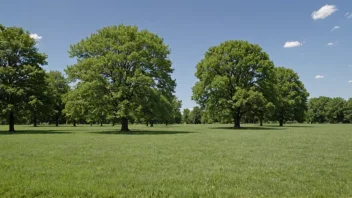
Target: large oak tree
231 77
124 64
20 72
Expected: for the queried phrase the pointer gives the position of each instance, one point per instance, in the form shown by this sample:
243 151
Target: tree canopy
126 65
58 87
21 74
231 76
291 98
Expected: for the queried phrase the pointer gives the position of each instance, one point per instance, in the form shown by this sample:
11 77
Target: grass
177 161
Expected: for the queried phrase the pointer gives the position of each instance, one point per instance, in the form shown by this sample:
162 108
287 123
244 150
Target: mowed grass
177 161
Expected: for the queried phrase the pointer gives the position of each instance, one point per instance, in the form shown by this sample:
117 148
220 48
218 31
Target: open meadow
177 161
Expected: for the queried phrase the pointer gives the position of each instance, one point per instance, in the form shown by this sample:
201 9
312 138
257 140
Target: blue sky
191 27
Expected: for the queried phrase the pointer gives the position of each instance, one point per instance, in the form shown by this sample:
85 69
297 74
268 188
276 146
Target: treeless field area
177 161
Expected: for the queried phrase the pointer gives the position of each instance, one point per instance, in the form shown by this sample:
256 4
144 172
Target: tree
20 72
185 116
291 98
125 64
176 116
335 110
177 104
317 109
75 106
229 75
348 110
58 87
195 116
260 106
40 105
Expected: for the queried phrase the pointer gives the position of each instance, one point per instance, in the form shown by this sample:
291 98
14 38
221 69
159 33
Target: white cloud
350 81
290 44
334 28
319 76
35 37
332 43
324 12
348 15
350 66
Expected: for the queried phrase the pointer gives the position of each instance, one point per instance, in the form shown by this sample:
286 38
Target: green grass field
177 161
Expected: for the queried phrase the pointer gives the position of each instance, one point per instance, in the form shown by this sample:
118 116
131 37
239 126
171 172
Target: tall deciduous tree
230 76
176 111
75 106
196 115
291 101
125 64
185 116
20 71
58 87
40 105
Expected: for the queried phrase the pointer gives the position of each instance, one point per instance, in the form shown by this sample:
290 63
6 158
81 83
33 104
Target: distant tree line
329 110
123 75
320 110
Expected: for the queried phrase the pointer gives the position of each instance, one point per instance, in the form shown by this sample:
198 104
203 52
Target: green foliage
348 110
195 115
231 76
176 111
291 97
335 110
41 101
185 116
21 75
317 109
75 106
126 64
329 110
58 87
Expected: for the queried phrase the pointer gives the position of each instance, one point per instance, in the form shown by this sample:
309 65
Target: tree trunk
166 123
74 123
152 123
281 122
11 122
147 123
237 123
91 124
57 119
35 121
101 123
124 124
261 122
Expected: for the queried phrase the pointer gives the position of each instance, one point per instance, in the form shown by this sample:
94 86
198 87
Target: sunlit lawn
177 160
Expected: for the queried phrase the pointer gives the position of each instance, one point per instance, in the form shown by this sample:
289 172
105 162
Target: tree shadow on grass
250 128
138 132
34 132
293 126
